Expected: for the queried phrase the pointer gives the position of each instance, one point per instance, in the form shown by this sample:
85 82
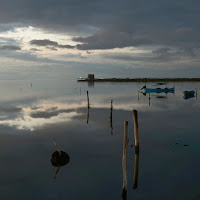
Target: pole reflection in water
88 115
136 167
149 99
111 108
59 159
124 161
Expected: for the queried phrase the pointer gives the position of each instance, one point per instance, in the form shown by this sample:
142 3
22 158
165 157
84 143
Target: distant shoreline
141 80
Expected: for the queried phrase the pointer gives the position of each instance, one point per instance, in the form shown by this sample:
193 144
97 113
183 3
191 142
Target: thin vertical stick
138 96
57 147
124 158
88 100
136 136
136 167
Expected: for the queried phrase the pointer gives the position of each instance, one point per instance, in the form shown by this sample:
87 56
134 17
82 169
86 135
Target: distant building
90 77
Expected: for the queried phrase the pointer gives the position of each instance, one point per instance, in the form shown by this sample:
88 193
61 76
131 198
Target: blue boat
159 90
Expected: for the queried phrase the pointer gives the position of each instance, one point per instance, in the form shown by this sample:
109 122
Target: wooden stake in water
124 159
136 136
88 100
136 167
57 147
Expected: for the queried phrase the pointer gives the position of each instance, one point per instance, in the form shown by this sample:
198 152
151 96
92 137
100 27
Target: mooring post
88 100
136 136
57 147
124 159
136 167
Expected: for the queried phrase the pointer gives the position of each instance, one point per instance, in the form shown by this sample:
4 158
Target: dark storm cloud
53 44
48 114
110 40
66 46
10 109
111 23
43 43
10 47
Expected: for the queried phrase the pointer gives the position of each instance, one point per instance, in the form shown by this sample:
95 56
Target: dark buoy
58 160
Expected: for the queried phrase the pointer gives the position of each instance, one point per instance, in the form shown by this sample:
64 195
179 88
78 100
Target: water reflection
136 169
88 114
59 159
111 108
164 123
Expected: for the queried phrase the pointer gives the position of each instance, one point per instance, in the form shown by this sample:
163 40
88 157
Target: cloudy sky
137 34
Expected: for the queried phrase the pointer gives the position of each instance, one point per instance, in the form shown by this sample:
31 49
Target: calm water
33 113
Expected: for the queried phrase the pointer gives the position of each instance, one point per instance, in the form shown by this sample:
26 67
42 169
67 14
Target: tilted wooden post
124 160
57 147
136 136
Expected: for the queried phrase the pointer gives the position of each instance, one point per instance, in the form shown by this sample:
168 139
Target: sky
109 34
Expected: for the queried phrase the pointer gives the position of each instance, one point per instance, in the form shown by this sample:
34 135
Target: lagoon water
35 112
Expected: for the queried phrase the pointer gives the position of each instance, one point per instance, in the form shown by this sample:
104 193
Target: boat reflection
188 94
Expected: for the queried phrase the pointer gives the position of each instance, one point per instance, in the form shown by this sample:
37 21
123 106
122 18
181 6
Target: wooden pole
136 167
124 159
136 136
57 147
138 96
88 100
